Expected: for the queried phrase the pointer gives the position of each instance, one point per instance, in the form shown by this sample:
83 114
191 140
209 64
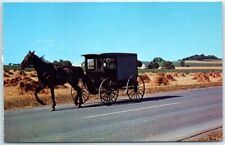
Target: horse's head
28 59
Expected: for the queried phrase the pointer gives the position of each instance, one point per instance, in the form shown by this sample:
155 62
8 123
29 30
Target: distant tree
182 63
157 59
168 65
153 65
164 63
200 57
62 62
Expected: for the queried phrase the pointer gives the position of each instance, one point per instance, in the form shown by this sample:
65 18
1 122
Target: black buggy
110 72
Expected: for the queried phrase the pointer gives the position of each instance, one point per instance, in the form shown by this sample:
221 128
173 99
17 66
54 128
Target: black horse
50 75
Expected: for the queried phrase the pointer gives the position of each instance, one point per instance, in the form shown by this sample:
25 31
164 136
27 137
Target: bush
168 65
153 65
182 63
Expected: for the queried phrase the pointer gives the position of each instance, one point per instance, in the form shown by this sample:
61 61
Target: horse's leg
79 94
38 89
75 98
53 98
90 85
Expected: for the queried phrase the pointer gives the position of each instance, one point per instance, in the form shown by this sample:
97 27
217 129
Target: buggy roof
108 55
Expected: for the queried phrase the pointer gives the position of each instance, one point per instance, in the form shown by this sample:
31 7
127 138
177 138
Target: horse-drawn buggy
109 73
105 74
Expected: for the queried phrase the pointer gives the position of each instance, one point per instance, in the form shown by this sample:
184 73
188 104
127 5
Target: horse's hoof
53 109
76 103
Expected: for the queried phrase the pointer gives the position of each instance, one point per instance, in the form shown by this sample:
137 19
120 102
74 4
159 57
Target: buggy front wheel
135 88
108 92
85 93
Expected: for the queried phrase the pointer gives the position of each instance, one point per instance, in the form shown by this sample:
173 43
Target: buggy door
110 66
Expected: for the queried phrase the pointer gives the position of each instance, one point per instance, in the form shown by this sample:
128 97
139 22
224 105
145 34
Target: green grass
15 67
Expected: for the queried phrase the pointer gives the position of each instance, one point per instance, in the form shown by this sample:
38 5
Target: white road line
119 112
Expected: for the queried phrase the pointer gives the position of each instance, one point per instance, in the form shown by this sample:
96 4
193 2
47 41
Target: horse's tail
89 85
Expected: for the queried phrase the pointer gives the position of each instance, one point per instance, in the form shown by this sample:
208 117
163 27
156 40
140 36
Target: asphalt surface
159 117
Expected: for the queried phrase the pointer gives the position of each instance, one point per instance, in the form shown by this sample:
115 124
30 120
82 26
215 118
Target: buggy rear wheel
108 92
135 88
85 93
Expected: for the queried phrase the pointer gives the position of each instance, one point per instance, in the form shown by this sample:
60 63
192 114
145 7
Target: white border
1 60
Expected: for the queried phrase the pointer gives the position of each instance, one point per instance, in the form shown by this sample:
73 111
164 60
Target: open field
203 63
180 70
200 68
19 86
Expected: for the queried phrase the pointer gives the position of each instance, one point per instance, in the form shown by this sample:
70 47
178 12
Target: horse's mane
42 59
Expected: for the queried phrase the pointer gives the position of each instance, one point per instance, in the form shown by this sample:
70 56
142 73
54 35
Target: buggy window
95 64
100 64
109 63
90 64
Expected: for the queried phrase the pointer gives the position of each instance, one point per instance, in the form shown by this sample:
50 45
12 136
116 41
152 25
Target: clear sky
68 30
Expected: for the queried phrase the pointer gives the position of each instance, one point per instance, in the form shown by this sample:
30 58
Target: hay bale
6 75
32 74
197 75
159 80
11 71
169 77
6 82
161 74
27 84
174 74
13 81
145 78
182 75
216 75
203 78
22 73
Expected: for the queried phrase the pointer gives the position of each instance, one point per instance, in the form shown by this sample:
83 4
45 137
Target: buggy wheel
108 92
85 93
135 88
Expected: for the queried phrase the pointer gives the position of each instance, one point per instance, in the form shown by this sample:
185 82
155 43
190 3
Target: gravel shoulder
215 135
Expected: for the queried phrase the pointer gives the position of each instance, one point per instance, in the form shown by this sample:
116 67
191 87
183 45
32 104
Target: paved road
160 117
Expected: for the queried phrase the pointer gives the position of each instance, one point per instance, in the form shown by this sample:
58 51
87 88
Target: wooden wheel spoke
132 91
104 95
85 94
113 93
108 91
140 93
133 94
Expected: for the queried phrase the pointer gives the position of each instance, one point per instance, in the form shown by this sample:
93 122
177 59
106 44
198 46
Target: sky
151 29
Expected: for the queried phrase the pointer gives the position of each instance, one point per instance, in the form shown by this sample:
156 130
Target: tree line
200 57
160 62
